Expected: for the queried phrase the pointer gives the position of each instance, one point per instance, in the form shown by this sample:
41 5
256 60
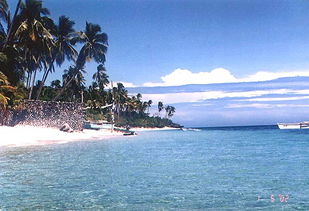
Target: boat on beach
299 125
108 126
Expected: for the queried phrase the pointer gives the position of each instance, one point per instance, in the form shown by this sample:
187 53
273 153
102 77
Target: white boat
190 129
300 125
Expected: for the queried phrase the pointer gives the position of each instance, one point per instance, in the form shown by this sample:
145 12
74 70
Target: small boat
126 132
300 125
97 126
190 129
131 133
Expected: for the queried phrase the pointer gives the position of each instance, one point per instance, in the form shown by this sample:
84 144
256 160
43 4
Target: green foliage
145 121
33 42
95 115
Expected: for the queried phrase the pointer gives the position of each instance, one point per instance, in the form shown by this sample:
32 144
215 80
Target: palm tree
77 84
149 105
12 25
33 34
160 107
120 95
4 89
94 47
4 15
101 77
63 49
56 84
171 111
144 106
167 110
10 60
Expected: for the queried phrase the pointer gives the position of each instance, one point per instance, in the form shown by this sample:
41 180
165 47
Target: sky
155 43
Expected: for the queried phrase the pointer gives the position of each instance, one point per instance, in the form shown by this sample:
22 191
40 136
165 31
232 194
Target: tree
4 89
62 49
139 96
94 47
33 34
4 14
160 106
77 85
10 59
56 84
120 95
171 111
101 77
12 24
149 104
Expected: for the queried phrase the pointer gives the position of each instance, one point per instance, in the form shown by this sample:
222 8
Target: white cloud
266 99
186 97
263 105
218 75
126 84
267 76
183 76
254 105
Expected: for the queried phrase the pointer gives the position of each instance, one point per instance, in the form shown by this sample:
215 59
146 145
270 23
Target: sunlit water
212 169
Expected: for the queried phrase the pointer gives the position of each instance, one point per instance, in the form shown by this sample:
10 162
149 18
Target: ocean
231 168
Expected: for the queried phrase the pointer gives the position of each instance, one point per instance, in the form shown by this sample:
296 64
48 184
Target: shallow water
239 168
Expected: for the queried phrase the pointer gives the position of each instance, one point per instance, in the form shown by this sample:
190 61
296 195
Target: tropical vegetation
32 44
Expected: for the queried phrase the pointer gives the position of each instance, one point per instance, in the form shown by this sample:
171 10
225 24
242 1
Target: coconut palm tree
171 111
56 84
62 49
120 95
4 89
33 34
101 77
12 24
149 105
160 107
77 85
94 47
4 16
10 60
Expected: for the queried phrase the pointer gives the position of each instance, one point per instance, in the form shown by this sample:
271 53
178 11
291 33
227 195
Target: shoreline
24 135
21 135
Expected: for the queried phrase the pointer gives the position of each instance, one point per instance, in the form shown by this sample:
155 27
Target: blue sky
178 42
238 103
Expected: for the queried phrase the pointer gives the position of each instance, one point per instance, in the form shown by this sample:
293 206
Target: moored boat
300 125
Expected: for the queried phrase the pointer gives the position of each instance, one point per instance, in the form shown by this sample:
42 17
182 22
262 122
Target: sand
29 135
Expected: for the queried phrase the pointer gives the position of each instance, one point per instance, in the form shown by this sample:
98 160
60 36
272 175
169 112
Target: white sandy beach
29 135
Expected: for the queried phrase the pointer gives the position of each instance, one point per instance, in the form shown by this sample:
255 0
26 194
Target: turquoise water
239 168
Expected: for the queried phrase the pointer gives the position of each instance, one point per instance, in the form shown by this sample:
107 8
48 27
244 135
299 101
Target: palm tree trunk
41 85
9 34
44 79
28 79
31 90
64 87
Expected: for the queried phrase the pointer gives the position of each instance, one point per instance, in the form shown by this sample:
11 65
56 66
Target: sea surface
232 168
